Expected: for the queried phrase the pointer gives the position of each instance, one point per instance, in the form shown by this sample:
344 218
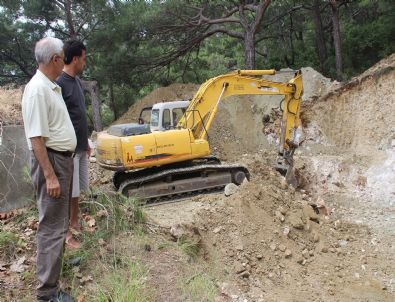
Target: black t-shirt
73 95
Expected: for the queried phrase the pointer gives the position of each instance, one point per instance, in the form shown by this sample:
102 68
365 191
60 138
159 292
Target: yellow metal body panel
200 148
138 149
160 148
109 151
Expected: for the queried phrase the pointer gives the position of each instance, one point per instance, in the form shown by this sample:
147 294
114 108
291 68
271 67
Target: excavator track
176 182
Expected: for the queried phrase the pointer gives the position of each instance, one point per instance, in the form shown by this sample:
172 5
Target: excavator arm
204 105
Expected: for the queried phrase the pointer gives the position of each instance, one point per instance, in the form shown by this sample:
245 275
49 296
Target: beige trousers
53 222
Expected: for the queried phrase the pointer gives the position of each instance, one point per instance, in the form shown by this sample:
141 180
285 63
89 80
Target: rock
316 237
239 247
282 247
273 246
239 268
283 184
245 274
324 250
282 210
177 231
259 256
301 261
309 213
296 221
305 253
288 253
279 216
217 230
104 180
230 189
342 243
286 231
19 266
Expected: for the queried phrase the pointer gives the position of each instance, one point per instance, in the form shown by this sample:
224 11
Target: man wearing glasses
52 141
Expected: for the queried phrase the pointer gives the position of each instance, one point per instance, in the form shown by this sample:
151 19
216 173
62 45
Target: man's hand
53 186
88 151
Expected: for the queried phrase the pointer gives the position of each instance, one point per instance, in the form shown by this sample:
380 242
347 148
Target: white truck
160 117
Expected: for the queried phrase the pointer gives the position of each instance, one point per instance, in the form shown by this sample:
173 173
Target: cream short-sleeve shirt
45 114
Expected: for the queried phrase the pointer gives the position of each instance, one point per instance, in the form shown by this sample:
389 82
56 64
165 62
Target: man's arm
40 151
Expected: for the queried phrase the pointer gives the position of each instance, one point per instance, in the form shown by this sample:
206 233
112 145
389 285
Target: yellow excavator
175 160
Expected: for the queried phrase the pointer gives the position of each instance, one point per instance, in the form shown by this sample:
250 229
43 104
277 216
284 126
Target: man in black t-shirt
73 95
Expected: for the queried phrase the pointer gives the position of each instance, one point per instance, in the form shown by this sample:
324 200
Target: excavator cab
165 116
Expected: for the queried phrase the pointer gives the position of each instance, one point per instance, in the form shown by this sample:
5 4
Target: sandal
72 243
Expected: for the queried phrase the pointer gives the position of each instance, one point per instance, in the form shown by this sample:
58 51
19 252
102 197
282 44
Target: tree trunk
291 41
92 88
249 50
319 35
69 18
337 40
114 107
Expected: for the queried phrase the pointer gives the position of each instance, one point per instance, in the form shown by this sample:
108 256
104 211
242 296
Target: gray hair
46 48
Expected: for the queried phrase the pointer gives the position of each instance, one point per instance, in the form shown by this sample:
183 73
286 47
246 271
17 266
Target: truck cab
165 116
160 117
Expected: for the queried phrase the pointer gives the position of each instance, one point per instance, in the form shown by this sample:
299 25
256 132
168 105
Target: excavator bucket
284 165
291 178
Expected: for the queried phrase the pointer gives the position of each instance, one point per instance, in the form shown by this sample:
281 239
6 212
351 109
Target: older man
52 140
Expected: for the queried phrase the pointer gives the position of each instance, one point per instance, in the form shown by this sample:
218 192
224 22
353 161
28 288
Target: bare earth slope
10 106
266 239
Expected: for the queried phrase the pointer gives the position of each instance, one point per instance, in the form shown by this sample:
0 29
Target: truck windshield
155 117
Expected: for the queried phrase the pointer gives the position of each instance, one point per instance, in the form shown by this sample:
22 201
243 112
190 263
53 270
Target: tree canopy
135 46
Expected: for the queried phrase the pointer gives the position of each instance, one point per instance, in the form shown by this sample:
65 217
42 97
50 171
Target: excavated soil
267 238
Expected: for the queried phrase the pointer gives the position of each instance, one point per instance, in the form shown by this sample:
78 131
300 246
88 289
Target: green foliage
128 42
8 244
365 44
122 286
114 215
189 247
199 287
121 213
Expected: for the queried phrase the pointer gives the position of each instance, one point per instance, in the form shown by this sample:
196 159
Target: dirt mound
355 116
270 243
10 106
173 92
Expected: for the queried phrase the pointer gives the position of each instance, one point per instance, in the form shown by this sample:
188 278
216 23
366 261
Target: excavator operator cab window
155 117
177 115
166 122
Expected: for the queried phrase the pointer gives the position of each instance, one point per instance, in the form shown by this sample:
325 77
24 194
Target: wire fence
16 189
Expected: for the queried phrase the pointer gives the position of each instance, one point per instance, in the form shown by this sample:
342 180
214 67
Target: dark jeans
53 222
